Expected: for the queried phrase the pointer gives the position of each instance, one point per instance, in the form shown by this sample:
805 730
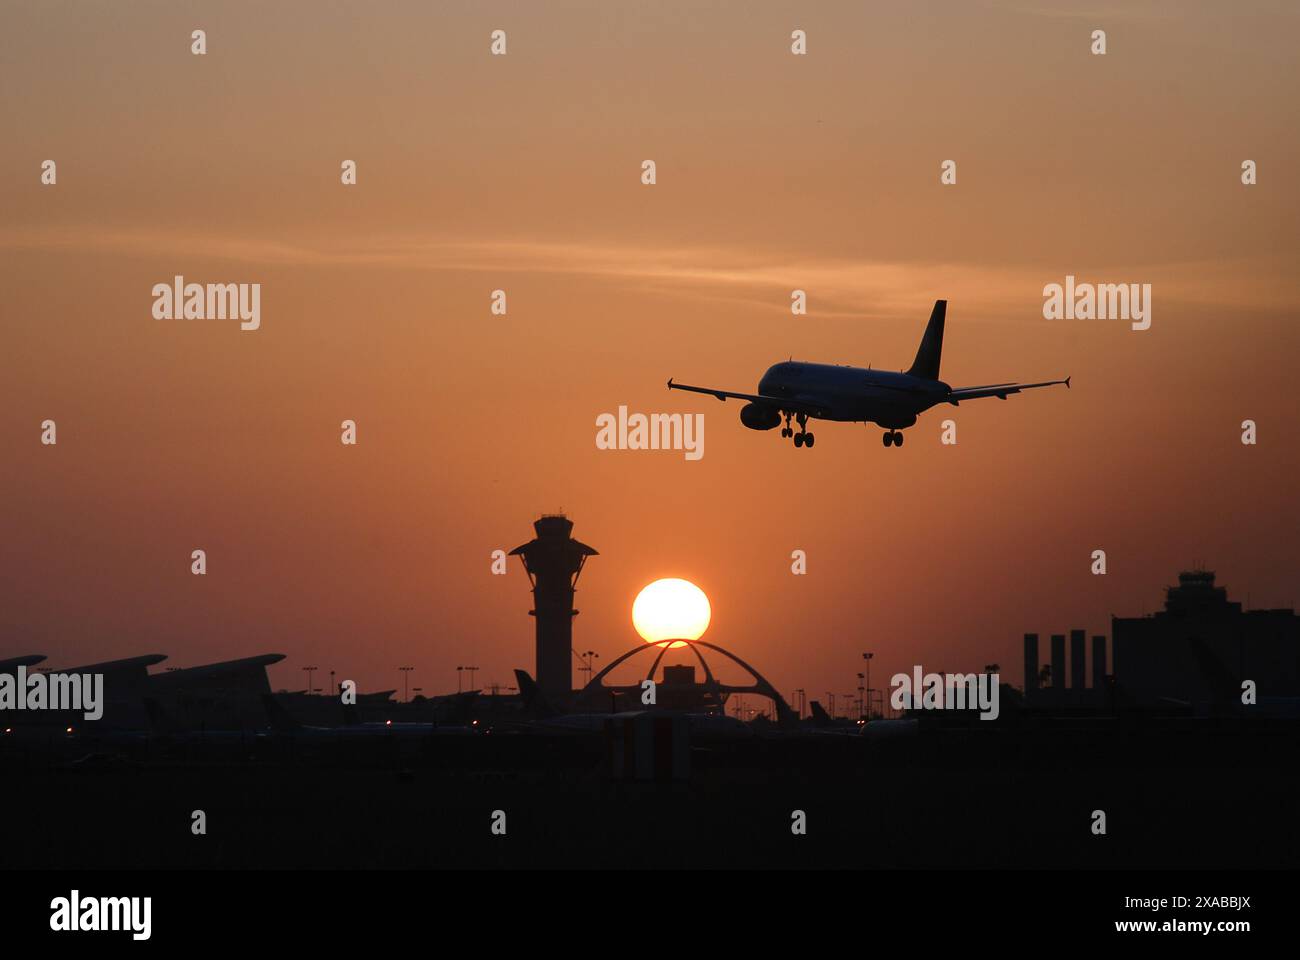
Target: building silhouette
1075 691
1196 654
1202 646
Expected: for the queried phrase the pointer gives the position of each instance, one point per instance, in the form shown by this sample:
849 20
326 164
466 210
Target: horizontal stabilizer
999 390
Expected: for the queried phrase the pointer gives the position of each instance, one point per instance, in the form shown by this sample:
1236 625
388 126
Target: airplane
546 718
352 722
284 724
166 728
824 721
879 728
819 391
885 728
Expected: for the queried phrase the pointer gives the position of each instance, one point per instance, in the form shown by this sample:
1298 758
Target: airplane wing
999 390
776 403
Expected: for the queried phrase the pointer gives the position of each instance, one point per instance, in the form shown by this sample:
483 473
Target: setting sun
671 609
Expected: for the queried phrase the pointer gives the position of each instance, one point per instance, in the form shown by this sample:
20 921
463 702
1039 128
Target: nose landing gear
892 438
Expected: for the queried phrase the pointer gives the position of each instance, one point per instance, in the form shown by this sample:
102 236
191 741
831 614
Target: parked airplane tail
533 697
281 722
820 717
926 363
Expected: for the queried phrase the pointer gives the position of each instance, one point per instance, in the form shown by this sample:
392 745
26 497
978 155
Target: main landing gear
892 438
803 438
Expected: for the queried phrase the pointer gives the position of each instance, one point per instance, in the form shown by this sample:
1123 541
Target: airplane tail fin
926 363
533 697
820 717
281 722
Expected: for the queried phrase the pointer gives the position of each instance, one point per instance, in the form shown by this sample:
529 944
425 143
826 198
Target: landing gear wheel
786 432
898 438
798 439
808 440
888 438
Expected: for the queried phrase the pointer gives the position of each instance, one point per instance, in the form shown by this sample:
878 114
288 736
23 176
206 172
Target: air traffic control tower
553 562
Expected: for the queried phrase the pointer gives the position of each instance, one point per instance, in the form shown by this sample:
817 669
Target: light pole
309 671
586 662
333 689
867 657
861 689
799 698
830 698
406 683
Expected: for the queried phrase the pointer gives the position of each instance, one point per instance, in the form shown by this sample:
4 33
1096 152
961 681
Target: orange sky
522 172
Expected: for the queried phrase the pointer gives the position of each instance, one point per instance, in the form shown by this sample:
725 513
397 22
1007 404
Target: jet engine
758 416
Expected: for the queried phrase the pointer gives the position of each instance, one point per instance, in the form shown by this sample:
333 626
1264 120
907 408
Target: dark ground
1191 795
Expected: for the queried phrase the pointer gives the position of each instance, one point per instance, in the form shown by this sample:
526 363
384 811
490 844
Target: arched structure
720 691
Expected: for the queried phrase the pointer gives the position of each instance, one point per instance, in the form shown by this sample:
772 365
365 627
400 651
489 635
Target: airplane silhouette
820 391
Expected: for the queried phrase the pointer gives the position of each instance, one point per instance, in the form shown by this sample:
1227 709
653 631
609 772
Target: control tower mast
553 561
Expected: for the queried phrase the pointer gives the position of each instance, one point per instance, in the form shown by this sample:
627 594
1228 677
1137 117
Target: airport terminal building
1202 647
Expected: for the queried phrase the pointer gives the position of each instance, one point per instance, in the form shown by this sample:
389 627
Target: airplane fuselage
854 394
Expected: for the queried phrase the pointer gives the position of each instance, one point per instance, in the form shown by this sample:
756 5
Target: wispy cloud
838 286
